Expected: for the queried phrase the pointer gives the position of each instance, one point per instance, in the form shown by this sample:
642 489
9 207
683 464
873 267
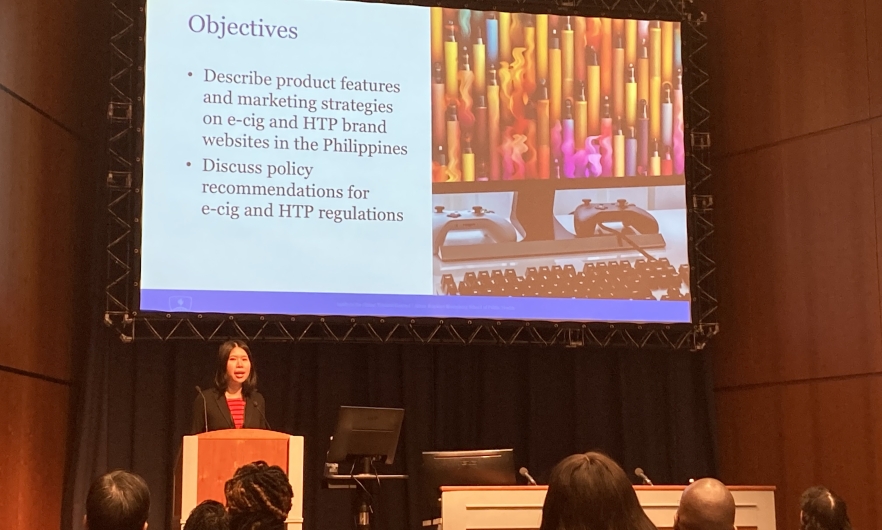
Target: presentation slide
334 157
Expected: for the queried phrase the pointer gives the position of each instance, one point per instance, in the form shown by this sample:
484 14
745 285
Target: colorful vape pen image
524 96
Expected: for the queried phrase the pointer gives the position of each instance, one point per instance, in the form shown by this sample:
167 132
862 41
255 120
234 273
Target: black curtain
651 409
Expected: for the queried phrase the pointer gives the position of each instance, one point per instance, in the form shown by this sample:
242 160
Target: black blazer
219 416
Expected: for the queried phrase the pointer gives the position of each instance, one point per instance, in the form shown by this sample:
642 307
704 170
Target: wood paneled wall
51 64
34 439
797 118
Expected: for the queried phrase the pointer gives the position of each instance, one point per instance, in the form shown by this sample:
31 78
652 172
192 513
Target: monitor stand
361 503
534 216
363 480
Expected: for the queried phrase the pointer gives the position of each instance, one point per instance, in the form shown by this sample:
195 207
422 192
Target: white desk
520 507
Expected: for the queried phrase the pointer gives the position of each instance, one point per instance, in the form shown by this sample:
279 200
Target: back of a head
706 504
258 497
590 491
117 501
208 515
822 509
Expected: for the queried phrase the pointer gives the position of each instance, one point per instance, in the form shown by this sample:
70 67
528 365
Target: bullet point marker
190 74
188 164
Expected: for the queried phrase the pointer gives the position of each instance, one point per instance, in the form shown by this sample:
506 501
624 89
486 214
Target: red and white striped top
237 411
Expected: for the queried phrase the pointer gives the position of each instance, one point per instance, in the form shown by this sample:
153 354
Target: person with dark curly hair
208 515
259 497
821 509
589 492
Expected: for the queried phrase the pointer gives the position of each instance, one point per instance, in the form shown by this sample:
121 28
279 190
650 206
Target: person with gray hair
706 504
118 500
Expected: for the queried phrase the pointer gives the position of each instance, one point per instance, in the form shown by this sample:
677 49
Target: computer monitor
366 432
464 468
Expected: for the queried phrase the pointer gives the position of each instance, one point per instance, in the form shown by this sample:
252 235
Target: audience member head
589 492
118 501
821 509
706 504
258 497
209 515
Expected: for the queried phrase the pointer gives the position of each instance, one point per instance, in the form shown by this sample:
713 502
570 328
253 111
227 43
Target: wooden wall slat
34 441
40 166
748 184
798 256
829 258
876 126
817 432
786 69
40 54
737 76
874 46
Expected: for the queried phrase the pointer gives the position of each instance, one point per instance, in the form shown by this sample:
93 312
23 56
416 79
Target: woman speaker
234 402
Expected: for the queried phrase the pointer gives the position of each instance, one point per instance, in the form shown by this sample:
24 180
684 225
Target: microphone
204 407
526 474
263 415
639 472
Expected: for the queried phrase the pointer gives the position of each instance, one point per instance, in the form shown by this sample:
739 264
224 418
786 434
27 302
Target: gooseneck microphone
263 415
639 472
526 474
204 407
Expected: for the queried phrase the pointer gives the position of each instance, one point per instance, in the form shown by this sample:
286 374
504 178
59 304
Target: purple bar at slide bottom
416 306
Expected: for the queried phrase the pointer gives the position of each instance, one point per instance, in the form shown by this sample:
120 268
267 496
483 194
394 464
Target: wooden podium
520 507
208 460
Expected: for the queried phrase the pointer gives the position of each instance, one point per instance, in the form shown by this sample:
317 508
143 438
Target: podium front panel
219 459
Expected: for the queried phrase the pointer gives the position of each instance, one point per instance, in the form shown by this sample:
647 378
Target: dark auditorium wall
797 114
48 98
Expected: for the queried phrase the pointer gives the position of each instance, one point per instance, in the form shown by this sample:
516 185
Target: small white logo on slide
180 303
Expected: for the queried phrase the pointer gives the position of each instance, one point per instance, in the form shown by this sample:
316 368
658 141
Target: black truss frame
125 121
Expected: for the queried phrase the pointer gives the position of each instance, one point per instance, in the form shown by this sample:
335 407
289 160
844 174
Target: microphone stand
204 407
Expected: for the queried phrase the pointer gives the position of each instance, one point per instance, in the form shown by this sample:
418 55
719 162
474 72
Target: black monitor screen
464 468
366 432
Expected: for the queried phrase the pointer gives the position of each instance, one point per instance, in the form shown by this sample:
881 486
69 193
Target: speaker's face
238 366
